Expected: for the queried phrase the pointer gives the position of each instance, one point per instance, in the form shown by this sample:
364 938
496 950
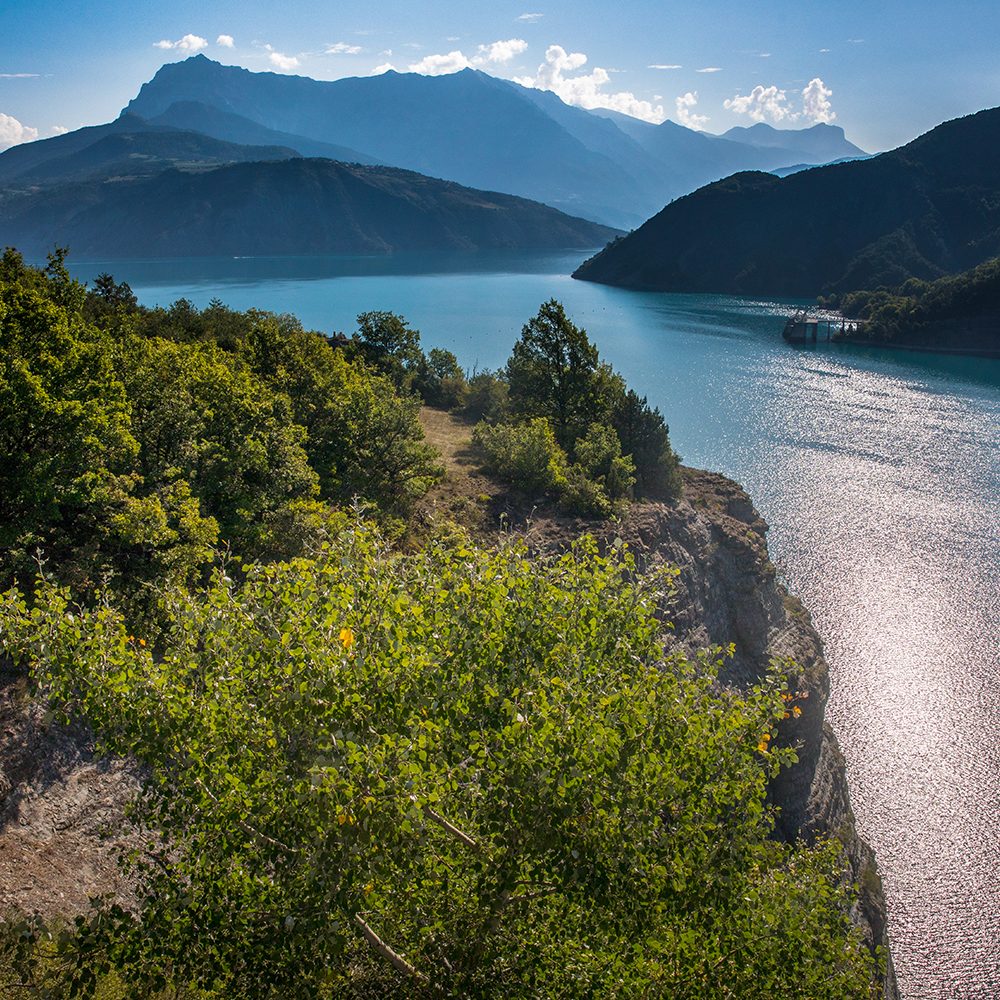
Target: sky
884 71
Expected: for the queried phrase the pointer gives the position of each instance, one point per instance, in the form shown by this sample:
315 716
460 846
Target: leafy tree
200 414
440 381
599 456
390 344
644 436
64 425
454 773
488 397
363 438
555 372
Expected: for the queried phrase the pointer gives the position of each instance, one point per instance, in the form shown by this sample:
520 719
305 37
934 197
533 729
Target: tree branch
392 957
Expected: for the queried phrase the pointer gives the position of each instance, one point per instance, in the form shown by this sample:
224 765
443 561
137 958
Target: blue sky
884 71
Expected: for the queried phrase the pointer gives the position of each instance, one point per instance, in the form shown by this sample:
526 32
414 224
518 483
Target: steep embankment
296 206
929 208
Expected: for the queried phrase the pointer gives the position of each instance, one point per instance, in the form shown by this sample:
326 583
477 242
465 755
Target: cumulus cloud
495 53
816 102
686 104
13 132
189 43
530 18
438 65
709 69
664 66
771 104
342 49
586 90
226 41
59 130
280 61
762 104
382 68
502 52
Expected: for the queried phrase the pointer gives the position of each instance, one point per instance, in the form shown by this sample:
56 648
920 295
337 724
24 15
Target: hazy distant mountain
198 117
697 158
796 168
931 207
297 206
817 144
468 127
126 153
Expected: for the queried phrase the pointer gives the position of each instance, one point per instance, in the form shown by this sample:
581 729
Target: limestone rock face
729 593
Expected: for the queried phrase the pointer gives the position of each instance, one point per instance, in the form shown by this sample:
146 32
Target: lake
879 473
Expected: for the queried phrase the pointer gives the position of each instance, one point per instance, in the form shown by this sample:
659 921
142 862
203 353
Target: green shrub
458 773
525 455
582 495
488 398
599 455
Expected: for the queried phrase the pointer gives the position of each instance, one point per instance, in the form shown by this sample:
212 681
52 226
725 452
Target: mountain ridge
924 210
285 207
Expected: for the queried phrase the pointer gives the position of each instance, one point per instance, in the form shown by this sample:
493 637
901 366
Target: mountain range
479 131
284 207
927 209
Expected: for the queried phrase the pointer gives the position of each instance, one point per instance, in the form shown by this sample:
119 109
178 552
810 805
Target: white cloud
342 49
856 41
439 65
382 68
664 66
771 104
19 76
59 130
824 50
586 90
13 132
494 53
762 104
685 111
226 41
816 102
530 18
765 55
501 52
189 43
280 61
709 69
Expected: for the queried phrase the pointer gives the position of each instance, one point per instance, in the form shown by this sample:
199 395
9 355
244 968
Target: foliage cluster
453 773
136 440
911 311
565 422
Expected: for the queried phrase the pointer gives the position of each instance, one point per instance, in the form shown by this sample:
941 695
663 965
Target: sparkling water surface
879 473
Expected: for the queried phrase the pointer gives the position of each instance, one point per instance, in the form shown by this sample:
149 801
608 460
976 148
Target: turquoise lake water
879 473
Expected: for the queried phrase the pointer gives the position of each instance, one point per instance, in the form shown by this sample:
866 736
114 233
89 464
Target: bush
488 398
599 456
459 773
440 381
582 495
525 455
